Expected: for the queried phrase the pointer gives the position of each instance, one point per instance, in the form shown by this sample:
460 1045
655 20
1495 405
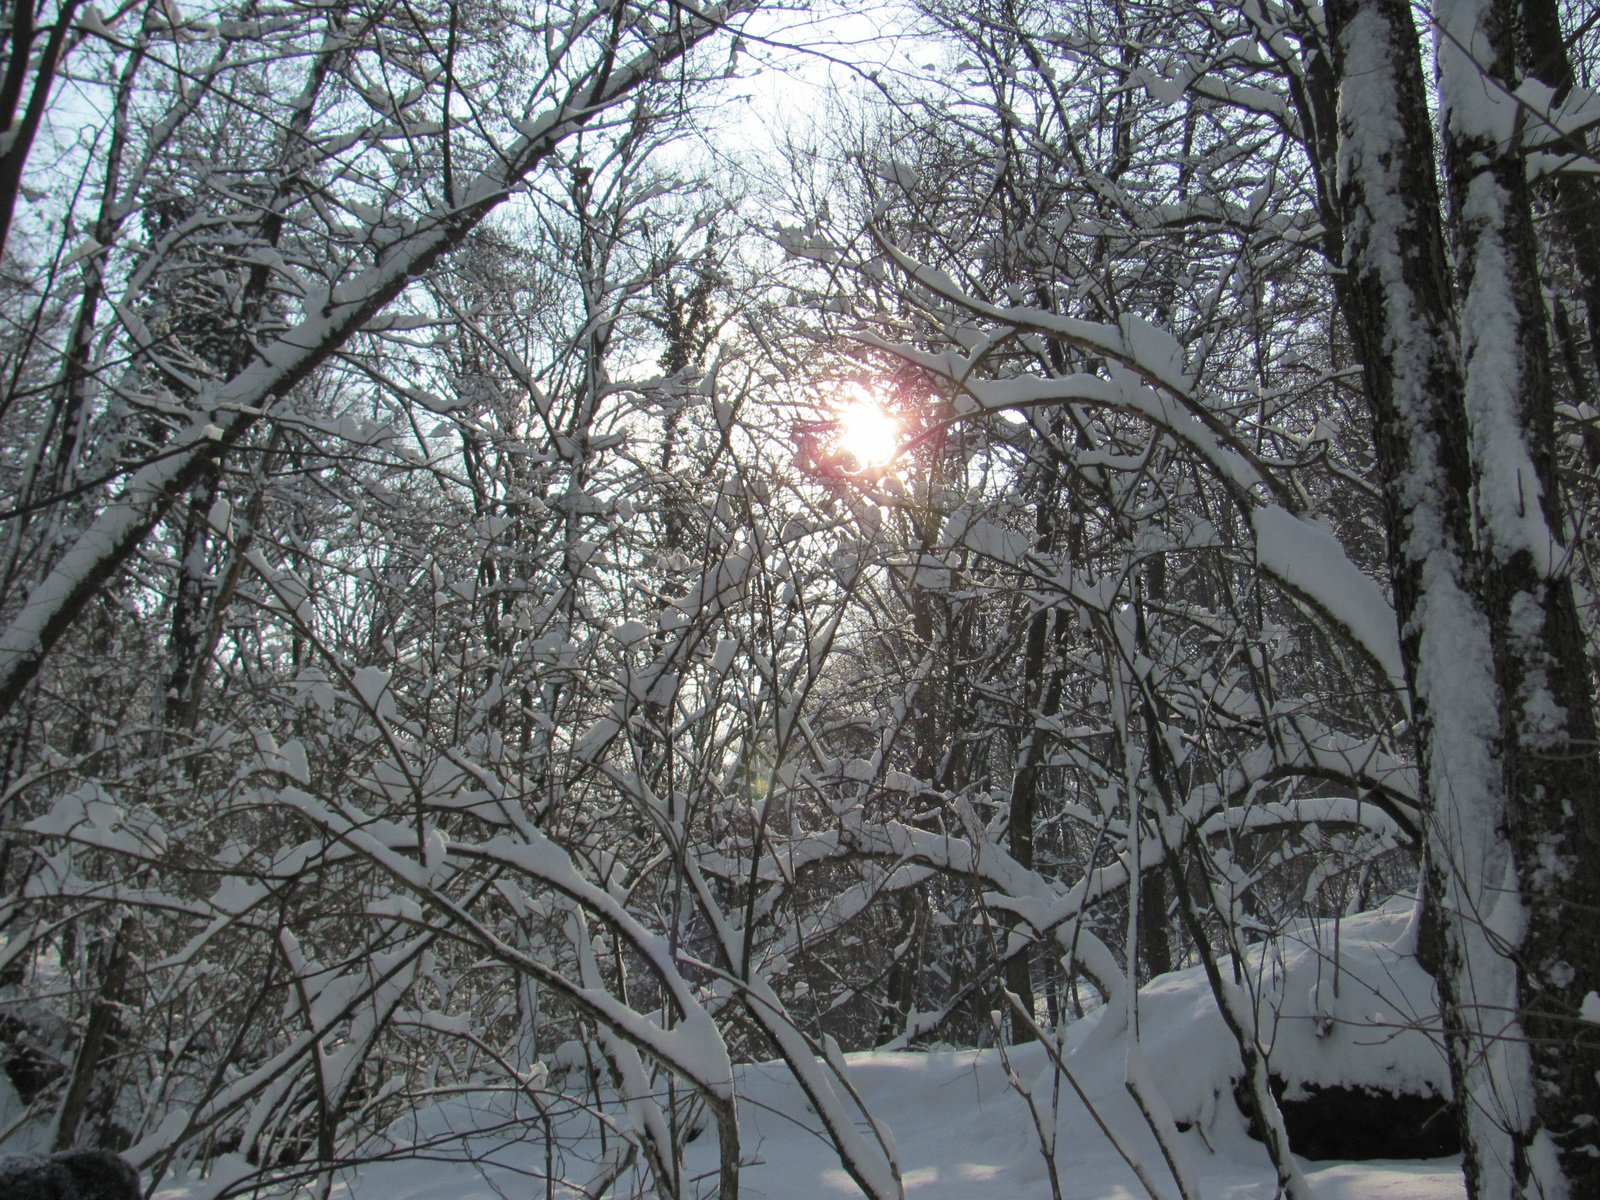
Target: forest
619 598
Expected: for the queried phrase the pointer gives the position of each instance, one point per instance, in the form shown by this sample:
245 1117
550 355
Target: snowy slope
962 1132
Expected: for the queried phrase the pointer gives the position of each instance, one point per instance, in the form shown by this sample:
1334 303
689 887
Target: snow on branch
250 396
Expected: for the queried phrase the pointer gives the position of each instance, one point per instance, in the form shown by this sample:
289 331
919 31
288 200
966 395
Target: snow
961 1133
1305 557
1510 497
1310 560
370 683
1378 1026
124 522
960 1130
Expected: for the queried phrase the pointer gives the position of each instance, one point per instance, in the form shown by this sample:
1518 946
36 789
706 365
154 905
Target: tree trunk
1576 196
1024 798
1493 652
99 1040
1396 298
1545 694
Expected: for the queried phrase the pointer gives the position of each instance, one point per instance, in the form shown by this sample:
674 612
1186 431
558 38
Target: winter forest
966 599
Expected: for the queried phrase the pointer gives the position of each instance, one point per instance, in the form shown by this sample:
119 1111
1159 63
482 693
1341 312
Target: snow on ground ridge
963 1133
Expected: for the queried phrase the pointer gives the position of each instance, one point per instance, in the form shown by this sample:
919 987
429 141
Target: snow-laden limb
1305 749
92 817
1305 810
1086 952
649 1125
1309 560
1052 907
1149 352
1130 1157
681 624
1126 387
338 1071
873 1167
1240 1013
1145 377
1235 95
694 1047
368 994
250 396
1146 1092
1308 750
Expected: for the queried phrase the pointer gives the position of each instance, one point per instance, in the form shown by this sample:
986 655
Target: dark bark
1025 793
900 986
1575 196
1155 939
185 640
1446 538
22 133
186 714
1552 774
1043 654
98 1042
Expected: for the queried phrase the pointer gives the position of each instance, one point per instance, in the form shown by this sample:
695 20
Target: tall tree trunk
1544 921
1493 653
1396 297
1025 785
190 617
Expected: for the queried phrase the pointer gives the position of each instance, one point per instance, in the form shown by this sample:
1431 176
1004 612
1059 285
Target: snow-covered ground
963 1134
962 1131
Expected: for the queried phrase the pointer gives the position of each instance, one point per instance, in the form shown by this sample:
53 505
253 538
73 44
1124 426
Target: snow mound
1338 1004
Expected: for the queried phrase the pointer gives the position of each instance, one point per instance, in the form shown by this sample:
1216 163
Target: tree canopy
513 585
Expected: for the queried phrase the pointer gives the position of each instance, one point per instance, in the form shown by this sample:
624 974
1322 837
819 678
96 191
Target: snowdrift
1349 1021
1343 1008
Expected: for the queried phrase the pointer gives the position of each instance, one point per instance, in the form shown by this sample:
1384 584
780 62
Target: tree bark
99 1038
1397 301
1576 196
1545 693
1461 404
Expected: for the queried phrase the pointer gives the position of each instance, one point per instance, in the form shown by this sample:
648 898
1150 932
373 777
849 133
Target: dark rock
70 1175
1361 1123
29 1067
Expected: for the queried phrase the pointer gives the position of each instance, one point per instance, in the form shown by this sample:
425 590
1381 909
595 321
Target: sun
867 433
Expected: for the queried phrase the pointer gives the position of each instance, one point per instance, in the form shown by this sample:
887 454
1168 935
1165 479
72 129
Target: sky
795 64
